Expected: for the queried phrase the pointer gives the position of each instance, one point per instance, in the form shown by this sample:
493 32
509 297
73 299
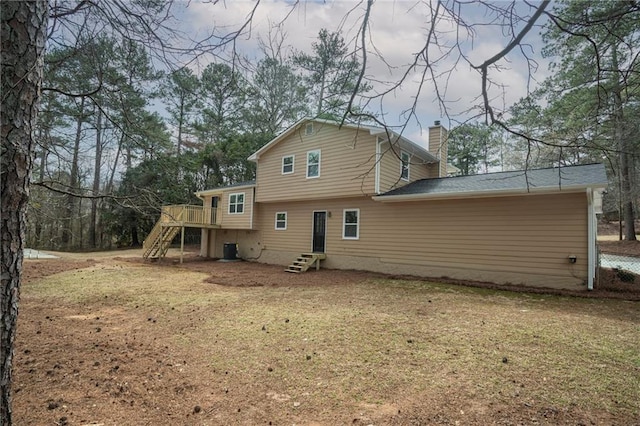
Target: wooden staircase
306 261
157 243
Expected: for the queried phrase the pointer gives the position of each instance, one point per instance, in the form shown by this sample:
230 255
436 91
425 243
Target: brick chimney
438 146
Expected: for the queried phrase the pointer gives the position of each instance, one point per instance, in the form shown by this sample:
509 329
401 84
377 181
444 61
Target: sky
398 30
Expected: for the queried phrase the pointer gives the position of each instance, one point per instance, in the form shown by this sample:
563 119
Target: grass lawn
118 342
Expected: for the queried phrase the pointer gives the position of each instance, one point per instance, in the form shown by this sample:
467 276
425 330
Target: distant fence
623 263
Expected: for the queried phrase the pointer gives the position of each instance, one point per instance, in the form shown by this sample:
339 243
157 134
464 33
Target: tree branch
498 56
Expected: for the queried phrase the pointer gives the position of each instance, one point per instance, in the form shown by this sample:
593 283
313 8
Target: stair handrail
152 237
156 232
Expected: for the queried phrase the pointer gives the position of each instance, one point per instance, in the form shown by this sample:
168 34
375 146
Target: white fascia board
478 194
254 157
215 191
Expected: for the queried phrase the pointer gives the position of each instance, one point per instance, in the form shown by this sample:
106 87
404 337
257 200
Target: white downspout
253 206
591 239
378 159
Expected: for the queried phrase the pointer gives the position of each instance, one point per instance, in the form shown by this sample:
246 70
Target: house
360 197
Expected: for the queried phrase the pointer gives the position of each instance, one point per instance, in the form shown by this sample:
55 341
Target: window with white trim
281 221
351 224
308 129
287 164
405 159
236 203
313 164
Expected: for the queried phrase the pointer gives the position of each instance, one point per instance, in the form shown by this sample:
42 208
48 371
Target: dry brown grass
378 351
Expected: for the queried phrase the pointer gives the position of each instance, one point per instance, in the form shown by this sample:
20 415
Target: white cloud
399 30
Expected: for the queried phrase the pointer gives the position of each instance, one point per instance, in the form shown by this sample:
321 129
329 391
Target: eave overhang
216 191
373 131
485 194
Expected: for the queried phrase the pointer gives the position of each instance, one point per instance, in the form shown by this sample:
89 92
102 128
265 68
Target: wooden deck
174 219
190 216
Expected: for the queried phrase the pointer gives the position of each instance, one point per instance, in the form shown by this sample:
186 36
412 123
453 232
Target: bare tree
596 30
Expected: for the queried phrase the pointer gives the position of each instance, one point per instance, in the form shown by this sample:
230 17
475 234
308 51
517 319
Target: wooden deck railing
190 215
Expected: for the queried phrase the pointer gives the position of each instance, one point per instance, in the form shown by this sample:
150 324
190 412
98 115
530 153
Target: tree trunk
135 241
627 203
128 161
67 231
109 188
44 142
626 192
321 97
93 222
24 26
79 228
180 124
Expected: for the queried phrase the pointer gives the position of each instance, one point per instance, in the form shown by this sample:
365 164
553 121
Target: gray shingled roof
220 188
247 183
551 179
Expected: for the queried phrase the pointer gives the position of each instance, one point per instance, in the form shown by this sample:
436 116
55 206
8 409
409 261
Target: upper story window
405 159
308 129
287 164
351 224
281 221
313 164
236 203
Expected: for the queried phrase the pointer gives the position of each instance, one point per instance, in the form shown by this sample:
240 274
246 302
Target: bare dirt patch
626 283
611 281
37 269
252 274
121 342
622 248
613 227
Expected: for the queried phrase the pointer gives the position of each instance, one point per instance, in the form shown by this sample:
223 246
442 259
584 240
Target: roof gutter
214 191
481 194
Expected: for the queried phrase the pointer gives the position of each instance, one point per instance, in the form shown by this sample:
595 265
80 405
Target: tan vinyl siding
347 165
432 170
523 239
420 169
248 243
438 147
390 168
297 236
236 221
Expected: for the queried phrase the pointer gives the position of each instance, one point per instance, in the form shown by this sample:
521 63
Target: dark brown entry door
319 231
